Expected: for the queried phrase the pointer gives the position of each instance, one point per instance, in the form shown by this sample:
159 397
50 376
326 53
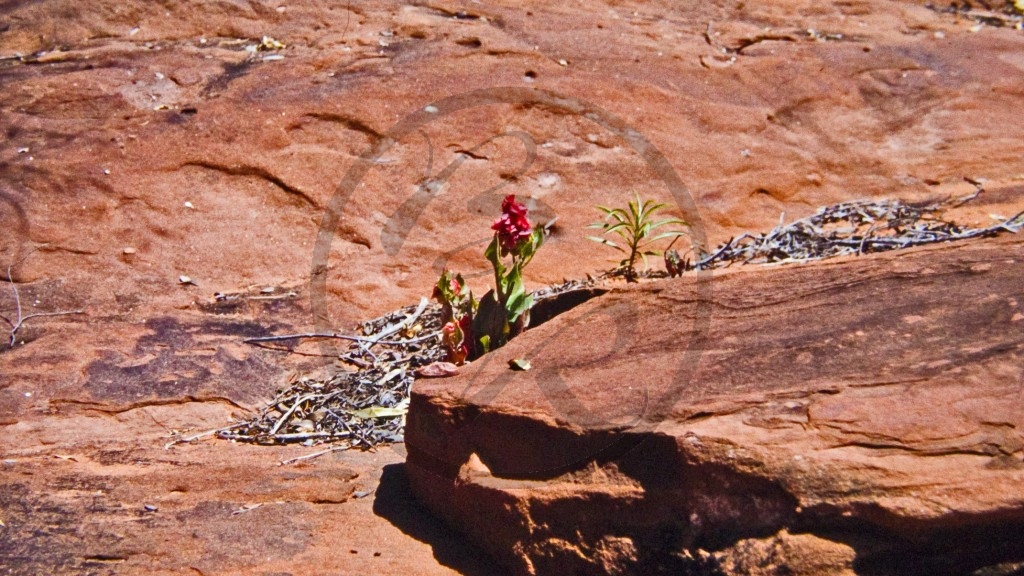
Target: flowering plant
473 328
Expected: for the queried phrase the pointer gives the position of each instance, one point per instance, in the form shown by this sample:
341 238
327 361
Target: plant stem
633 244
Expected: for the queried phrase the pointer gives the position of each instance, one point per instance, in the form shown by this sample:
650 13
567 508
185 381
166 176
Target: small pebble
431 110
129 250
189 205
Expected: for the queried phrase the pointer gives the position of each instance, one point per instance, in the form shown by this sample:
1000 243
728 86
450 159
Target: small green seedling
636 227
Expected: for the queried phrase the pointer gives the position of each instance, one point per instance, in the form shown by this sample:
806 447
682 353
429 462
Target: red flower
512 227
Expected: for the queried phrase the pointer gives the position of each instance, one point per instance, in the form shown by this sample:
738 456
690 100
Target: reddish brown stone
855 415
141 142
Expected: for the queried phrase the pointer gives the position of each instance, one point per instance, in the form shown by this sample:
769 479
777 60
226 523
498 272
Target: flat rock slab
99 494
146 141
857 416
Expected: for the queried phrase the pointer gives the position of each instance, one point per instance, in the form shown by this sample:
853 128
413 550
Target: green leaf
529 248
606 241
652 207
519 300
518 306
671 234
668 221
492 253
491 321
634 212
619 217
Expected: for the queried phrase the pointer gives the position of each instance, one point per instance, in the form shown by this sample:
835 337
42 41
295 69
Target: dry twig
21 318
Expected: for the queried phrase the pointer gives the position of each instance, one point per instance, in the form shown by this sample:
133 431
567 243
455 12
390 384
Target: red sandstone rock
438 370
856 416
142 142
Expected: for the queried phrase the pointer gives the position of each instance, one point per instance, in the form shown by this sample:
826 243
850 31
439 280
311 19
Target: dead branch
314 455
21 318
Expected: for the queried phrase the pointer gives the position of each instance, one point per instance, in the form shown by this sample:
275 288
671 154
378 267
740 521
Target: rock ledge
846 417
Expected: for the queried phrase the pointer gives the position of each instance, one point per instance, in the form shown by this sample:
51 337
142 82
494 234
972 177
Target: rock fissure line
258 172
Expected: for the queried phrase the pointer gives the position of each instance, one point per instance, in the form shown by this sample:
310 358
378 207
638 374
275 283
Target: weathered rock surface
96 493
861 416
143 141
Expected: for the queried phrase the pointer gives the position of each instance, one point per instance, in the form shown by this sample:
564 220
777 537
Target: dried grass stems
850 228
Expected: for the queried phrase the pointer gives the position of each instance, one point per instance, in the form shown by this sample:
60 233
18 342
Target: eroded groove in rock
258 172
346 121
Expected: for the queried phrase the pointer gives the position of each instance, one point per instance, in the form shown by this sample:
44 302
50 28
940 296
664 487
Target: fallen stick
20 321
313 455
340 337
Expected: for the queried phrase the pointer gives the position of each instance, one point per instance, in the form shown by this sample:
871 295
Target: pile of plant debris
847 229
366 406
363 407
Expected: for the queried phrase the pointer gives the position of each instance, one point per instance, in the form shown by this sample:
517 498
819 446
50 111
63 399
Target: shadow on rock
395 503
